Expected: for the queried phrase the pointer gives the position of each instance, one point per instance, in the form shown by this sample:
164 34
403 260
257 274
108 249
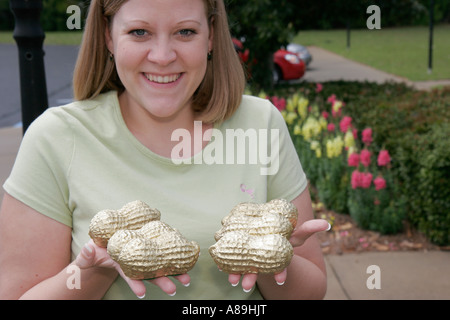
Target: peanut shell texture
254 238
131 216
141 244
155 250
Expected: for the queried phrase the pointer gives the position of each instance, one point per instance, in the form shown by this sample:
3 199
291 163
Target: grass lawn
51 38
401 51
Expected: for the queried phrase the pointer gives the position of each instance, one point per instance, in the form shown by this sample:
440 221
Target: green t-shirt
78 159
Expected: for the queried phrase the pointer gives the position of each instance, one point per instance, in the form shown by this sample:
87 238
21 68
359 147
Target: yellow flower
302 108
311 128
291 103
351 149
297 130
315 145
337 105
323 123
318 153
334 147
349 140
290 117
330 150
338 145
262 95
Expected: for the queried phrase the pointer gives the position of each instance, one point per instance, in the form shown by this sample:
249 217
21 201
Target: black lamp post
29 37
430 45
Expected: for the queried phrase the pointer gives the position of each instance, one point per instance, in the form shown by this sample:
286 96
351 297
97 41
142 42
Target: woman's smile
162 79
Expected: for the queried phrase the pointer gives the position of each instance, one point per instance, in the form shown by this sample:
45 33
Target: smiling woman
225 78
148 69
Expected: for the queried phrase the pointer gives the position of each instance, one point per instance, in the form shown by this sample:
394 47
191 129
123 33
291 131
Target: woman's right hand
92 255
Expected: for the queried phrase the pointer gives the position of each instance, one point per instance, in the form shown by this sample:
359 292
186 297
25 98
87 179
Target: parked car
287 64
301 51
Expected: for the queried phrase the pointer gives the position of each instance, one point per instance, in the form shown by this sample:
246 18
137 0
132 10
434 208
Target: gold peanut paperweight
254 238
141 244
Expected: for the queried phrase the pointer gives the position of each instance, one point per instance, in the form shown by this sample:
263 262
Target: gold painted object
155 250
254 238
131 216
238 252
144 246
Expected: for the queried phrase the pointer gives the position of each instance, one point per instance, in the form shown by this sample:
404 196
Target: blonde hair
215 100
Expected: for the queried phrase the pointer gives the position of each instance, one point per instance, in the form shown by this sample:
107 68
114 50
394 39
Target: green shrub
424 167
414 126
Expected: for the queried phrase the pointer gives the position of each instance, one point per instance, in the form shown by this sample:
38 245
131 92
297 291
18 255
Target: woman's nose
162 53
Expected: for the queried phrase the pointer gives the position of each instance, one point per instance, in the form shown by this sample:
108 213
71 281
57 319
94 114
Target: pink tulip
366 180
331 99
345 124
383 158
367 136
356 179
319 87
379 183
353 160
280 103
331 127
364 157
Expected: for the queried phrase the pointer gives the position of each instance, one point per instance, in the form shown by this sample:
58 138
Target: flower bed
357 158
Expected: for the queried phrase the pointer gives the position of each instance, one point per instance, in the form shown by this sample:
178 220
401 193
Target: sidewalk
402 275
328 66
409 275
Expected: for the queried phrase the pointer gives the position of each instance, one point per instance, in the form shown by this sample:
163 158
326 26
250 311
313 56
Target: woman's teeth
162 79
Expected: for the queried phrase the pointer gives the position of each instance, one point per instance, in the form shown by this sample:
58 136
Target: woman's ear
108 37
211 34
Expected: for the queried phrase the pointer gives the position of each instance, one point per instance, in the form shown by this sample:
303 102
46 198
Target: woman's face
160 50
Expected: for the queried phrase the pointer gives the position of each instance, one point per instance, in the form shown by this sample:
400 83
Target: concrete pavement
59 63
401 275
328 66
408 275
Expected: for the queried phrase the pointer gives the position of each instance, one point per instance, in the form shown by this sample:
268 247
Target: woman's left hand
298 238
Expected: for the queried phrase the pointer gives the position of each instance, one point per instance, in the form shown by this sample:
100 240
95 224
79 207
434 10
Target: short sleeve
39 175
289 180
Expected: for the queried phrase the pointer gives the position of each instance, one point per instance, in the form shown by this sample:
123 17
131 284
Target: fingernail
88 248
247 291
141 297
235 284
187 284
280 283
329 227
172 294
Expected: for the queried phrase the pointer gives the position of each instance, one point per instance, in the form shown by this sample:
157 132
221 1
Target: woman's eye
186 32
138 32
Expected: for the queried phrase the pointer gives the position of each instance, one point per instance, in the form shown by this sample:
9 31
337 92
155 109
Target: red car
287 65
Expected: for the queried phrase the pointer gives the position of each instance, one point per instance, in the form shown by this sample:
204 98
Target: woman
146 69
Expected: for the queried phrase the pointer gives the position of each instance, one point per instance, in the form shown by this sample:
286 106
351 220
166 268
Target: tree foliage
264 26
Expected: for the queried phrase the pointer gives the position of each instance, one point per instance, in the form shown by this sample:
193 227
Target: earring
111 57
209 55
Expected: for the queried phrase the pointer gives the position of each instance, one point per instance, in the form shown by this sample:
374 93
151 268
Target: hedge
414 126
